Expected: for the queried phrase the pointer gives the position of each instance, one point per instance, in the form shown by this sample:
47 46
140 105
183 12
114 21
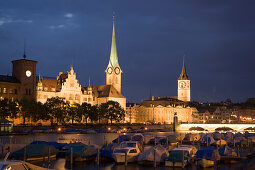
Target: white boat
20 165
121 154
181 156
129 148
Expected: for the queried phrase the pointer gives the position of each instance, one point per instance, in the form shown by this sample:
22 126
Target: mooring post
166 140
155 162
182 159
25 150
215 160
98 156
2 150
126 158
238 151
49 154
207 144
71 155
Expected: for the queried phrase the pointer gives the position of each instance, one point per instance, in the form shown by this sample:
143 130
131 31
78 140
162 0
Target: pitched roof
162 102
9 79
106 91
184 75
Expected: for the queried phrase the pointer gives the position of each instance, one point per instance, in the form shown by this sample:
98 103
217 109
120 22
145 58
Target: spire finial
89 86
24 56
113 16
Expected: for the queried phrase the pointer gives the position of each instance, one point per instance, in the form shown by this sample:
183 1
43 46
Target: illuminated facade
162 110
67 86
25 84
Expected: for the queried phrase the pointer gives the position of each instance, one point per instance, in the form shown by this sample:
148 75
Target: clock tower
113 71
184 85
25 71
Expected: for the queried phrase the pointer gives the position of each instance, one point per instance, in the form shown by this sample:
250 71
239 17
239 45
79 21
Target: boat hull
119 158
176 164
205 163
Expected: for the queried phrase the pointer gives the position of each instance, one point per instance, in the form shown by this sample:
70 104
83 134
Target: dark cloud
152 37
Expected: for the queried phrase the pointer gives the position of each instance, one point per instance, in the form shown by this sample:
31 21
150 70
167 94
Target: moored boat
207 156
129 154
181 156
20 165
156 154
35 152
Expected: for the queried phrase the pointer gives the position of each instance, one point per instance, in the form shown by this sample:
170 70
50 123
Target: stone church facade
25 84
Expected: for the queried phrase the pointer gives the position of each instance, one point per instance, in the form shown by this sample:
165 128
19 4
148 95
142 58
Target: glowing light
109 128
124 133
59 129
145 128
124 129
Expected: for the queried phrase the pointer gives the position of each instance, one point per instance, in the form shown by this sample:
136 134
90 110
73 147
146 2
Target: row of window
10 91
70 98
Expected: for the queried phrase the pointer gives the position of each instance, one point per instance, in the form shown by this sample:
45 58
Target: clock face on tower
109 70
182 84
28 73
117 70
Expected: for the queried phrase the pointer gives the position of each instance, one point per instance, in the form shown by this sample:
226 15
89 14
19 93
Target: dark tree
57 109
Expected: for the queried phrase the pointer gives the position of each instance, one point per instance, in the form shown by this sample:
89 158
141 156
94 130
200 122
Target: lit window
11 91
4 90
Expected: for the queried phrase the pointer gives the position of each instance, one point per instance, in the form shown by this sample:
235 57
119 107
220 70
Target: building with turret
24 83
163 109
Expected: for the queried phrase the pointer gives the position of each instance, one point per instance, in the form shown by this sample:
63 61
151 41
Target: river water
100 139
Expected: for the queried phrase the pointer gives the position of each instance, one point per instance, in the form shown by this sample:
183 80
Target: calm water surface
100 139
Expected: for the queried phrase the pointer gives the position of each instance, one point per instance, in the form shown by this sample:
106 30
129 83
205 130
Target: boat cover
34 151
122 138
227 151
83 151
161 154
207 153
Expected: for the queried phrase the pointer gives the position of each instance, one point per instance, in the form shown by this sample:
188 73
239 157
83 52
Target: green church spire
113 57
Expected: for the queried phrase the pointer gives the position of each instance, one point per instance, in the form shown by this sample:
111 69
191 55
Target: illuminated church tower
113 71
184 85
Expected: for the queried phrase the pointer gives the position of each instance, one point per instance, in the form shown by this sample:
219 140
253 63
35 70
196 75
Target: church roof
106 91
184 75
9 79
49 83
113 56
164 103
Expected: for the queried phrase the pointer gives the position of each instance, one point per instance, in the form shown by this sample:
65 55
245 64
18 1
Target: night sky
216 37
